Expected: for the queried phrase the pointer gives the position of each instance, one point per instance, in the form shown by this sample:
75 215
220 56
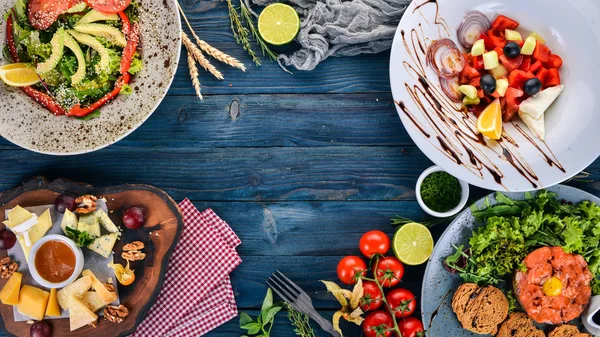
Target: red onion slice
445 59
450 88
473 25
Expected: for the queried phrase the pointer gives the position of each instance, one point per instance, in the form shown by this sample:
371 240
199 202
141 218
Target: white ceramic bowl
464 197
28 125
79 261
589 313
571 29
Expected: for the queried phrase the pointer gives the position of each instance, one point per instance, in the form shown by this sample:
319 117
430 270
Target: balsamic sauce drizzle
453 130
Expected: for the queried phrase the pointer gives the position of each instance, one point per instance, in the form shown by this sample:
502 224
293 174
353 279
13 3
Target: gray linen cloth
341 28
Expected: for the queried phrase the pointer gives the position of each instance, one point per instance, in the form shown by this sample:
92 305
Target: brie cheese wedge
536 105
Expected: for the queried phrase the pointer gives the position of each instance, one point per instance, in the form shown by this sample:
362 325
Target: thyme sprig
266 51
300 322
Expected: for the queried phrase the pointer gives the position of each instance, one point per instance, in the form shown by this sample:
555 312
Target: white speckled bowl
27 124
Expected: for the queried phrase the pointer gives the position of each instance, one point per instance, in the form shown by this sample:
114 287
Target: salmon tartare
555 288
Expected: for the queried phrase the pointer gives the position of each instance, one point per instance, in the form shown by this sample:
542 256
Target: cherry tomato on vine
378 324
349 269
388 271
371 299
402 302
411 327
374 242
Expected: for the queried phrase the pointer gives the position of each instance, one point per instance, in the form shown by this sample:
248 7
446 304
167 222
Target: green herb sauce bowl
464 197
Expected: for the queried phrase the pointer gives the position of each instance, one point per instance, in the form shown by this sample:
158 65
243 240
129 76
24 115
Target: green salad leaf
514 228
81 238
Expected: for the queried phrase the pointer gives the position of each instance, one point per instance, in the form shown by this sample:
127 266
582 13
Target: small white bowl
463 198
79 260
588 322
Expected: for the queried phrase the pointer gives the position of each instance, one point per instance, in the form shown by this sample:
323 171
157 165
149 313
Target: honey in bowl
55 261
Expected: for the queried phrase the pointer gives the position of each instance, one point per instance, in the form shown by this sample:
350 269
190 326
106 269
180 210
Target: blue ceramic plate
439 285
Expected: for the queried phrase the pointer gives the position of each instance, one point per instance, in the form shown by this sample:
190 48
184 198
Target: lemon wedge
19 75
489 122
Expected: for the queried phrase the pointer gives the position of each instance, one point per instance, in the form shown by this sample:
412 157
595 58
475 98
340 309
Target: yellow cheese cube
75 289
10 293
92 301
105 295
79 314
53 309
32 302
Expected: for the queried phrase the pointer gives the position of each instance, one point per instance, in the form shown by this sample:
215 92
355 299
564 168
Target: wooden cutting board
160 234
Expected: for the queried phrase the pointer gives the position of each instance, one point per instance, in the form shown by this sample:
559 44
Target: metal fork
298 299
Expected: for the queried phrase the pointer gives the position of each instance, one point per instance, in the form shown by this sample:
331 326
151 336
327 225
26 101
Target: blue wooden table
300 165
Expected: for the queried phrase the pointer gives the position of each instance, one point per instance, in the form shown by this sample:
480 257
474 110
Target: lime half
413 244
278 24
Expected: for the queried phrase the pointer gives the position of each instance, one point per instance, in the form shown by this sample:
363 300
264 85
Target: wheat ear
194 73
199 56
210 50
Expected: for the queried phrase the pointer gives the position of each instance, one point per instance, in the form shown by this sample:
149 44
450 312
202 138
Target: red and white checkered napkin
197 295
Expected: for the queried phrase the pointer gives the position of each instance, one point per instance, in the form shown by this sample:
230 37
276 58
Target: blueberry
533 86
488 83
512 50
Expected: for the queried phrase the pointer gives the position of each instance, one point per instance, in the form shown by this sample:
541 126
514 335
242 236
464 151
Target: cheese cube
32 302
106 222
89 223
69 220
105 295
104 244
75 289
10 292
79 314
53 309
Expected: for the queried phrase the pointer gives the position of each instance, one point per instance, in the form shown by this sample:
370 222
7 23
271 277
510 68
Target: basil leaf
268 301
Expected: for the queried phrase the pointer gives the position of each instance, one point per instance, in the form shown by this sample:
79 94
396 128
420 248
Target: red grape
134 217
7 239
40 329
64 202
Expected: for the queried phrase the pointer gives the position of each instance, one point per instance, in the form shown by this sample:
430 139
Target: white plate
571 29
27 124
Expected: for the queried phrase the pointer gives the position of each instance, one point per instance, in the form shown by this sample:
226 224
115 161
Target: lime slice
278 24
413 244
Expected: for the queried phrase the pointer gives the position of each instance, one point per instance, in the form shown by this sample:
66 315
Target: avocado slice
90 41
74 46
105 31
80 7
94 15
58 46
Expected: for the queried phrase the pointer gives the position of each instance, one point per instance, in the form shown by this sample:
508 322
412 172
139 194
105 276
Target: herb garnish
261 327
440 191
81 238
300 322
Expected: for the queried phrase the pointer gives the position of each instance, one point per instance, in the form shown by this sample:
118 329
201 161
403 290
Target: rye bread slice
567 330
519 325
480 310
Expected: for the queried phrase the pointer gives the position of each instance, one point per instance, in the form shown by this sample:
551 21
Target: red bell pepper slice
502 23
78 111
552 78
499 51
45 100
513 97
517 78
541 53
476 82
478 62
132 34
496 37
489 44
541 75
467 74
554 61
511 64
537 65
480 93
526 64
509 112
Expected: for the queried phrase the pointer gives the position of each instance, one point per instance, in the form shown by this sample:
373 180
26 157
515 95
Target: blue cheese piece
104 245
69 220
106 222
89 223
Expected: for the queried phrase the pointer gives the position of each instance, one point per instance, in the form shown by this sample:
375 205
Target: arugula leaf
81 238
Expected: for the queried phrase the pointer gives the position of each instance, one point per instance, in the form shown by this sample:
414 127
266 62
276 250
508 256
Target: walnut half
133 255
135 245
116 314
86 204
7 267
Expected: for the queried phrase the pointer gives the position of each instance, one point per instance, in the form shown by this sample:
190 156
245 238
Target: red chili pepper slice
45 100
132 33
78 111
